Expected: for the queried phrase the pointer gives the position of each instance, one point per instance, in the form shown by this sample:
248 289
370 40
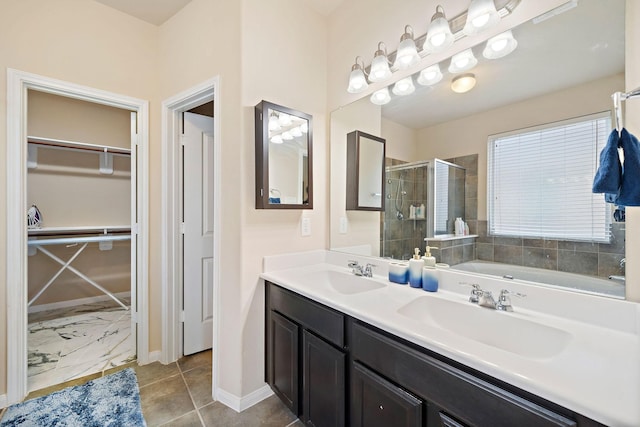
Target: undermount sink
344 283
497 329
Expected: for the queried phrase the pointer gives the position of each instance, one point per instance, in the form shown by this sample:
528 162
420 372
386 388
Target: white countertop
597 374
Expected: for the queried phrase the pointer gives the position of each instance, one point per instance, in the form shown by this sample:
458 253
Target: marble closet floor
69 343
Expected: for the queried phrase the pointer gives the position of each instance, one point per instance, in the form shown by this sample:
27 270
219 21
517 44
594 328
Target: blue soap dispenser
415 270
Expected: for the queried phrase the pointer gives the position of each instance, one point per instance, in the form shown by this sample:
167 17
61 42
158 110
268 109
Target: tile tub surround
70 343
601 355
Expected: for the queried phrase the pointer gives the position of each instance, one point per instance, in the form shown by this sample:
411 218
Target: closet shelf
90 229
79 146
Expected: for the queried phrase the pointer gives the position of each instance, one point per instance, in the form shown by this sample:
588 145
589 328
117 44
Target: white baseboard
154 356
3 401
75 302
239 404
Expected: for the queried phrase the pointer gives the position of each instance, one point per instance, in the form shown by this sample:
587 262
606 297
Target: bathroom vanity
348 350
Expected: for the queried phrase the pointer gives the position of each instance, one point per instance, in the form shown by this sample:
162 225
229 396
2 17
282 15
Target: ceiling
156 12
580 45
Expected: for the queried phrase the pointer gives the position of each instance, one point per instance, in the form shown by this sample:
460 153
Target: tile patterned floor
70 343
179 394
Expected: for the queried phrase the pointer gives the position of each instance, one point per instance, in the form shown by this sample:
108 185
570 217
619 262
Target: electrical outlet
305 226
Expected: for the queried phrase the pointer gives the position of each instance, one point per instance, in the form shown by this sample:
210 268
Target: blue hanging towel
608 178
629 194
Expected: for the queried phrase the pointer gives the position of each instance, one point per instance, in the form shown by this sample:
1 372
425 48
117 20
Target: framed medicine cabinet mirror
284 177
365 172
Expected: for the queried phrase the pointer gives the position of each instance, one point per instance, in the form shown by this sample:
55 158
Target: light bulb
463 61
287 136
381 97
500 45
404 87
430 76
296 132
284 119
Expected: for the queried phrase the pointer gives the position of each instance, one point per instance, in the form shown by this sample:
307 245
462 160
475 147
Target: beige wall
83 42
363 116
401 141
472 131
284 52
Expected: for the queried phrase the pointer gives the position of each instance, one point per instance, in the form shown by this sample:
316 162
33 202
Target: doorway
81 188
177 327
18 85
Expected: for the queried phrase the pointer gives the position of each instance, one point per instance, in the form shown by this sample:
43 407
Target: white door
198 236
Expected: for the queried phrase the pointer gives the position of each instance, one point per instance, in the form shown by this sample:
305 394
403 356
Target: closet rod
73 145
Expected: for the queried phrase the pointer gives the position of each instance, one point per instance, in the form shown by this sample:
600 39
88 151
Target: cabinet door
323 383
437 417
375 402
283 360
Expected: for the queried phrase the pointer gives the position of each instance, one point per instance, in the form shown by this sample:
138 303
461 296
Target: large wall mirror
564 67
283 158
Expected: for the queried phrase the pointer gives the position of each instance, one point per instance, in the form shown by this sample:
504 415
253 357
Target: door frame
18 82
172 345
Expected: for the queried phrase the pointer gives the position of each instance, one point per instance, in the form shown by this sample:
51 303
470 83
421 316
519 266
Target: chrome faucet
359 270
485 298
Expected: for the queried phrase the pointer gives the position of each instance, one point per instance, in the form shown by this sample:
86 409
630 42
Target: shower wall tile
508 254
609 264
540 258
578 262
484 251
577 246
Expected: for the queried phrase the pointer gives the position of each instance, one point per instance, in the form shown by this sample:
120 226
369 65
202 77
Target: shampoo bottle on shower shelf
459 227
429 260
415 270
422 212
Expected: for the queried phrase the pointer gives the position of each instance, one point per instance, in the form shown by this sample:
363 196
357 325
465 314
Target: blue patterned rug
113 400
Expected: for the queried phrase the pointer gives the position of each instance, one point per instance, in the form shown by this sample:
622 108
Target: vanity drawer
323 321
472 400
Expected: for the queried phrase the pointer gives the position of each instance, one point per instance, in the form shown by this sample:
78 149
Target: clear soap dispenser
415 270
429 260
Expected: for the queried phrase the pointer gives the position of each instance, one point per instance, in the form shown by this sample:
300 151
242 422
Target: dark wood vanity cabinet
305 357
333 370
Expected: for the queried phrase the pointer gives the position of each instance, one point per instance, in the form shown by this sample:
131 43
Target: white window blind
540 179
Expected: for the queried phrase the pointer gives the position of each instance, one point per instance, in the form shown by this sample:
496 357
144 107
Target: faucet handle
352 264
368 269
504 302
476 292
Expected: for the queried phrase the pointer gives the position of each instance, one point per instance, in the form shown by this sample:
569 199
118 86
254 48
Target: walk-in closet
80 175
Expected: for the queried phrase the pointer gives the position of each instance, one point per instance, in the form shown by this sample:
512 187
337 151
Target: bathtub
584 283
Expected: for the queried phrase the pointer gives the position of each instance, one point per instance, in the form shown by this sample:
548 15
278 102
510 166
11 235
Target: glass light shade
274 124
463 83
439 35
463 61
357 80
407 53
500 45
379 68
276 139
284 119
404 87
286 135
430 76
481 15
381 97
296 132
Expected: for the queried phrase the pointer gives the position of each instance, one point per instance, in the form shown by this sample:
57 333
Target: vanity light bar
457 23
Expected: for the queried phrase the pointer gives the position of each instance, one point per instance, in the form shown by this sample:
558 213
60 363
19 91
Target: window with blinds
540 179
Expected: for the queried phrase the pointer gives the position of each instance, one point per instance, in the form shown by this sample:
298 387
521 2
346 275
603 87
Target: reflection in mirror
564 67
365 162
449 185
283 157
